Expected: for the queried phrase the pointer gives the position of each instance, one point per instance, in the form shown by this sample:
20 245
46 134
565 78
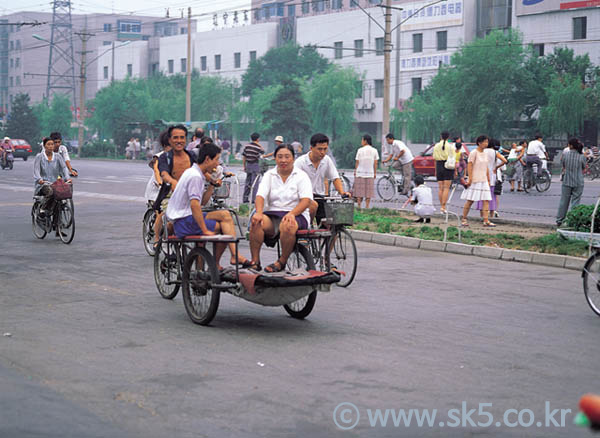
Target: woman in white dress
478 184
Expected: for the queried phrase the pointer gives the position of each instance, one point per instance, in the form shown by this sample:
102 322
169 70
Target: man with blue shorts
185 206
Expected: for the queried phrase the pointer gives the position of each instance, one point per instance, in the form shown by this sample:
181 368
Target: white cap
6 138
279 138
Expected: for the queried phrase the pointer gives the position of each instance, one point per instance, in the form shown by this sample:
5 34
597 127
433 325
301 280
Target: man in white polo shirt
319 167
536 152
185 206
401 158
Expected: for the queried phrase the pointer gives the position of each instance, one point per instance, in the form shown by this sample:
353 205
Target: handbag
450 163
61 190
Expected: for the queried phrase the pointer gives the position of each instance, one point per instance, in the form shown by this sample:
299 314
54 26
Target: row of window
129 71
237 62
125 27
416 87
338 51
15 63
16 81
15 45
441 41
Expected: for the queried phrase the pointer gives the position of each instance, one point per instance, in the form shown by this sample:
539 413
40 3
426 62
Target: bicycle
388 185
347 186
263 168
148 229
334 241
541 180
61 219
592 169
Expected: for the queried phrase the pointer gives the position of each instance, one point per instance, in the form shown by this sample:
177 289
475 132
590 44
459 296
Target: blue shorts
187 226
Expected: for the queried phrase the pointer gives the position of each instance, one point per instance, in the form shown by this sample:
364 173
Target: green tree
282 63
288 113
23 123
56 117
566 108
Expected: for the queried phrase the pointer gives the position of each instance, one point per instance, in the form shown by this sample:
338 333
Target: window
106 43
378 87
129 26
280 10
538 49
379 46
305 7
107 27
337 4
374 2
170 66
18 81
203 63
442 40
237 60
105 72
358 48
129 70
17 62
579 28
154 68
10 81
291 10
492 14
183 65
12 45
416 85
318 5
18 45
417 42
217 62
338 53
359 89
12 63
253 55
183 30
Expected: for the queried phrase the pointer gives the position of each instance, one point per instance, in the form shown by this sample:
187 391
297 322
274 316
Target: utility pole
387 50
85 36
188 83
112 69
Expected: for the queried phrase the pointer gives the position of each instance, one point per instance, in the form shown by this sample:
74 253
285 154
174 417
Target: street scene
329 218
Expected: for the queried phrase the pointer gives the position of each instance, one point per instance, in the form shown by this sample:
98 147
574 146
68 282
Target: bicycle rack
458 226
592 227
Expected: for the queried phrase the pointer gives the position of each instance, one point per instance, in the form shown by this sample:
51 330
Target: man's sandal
276 266
489 224
464 224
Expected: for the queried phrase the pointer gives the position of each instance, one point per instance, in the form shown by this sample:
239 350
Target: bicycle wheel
527 179
591 282
301 259
38 224
344 257
166 270
595 170
200 298
148 231
347 187
65 222
542 183
385 188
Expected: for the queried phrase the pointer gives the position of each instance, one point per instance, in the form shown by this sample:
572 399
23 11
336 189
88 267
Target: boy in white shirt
422 199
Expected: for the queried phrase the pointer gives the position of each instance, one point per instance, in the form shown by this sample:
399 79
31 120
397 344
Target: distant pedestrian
226 147
365 171
401 159
515 166
422 199
478 184
495 162
137 147
196 139
573 163
444 176
251 155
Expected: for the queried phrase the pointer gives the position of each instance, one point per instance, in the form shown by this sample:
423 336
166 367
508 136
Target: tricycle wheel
301 259
591 282
200 274
166 270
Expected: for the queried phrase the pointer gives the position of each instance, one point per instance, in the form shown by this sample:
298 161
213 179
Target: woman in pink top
478 184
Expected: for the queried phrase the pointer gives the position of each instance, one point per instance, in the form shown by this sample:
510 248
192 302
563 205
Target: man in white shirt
365 171
536 152
402 159
185 206
319 168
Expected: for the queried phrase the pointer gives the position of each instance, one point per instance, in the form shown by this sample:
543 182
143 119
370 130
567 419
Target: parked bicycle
540 180
61 219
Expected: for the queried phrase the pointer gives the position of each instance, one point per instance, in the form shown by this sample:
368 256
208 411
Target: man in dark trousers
251 154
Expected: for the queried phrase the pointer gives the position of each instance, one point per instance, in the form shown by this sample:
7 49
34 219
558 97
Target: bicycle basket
223 191
340 212
62 190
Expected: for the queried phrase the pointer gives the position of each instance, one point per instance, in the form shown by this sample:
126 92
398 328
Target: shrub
580 218
98 148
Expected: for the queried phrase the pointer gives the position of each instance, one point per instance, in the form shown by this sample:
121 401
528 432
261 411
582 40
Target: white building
121 60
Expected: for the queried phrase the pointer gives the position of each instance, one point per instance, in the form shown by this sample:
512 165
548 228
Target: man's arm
199 217
339 186
207 194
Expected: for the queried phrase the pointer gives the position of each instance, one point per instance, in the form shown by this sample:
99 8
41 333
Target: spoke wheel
543 182
65 222
148 231
166 270
301 259
385 188
344 257
39 225
527 179
200 298
591 282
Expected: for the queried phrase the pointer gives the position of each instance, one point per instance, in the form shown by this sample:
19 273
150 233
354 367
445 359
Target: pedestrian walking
443 175
401 159
365 171
250 156
226 147
478 184
573 163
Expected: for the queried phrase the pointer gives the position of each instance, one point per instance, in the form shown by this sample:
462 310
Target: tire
527 176
25 158
344 257
166 271
65 222
38 225
386 188
201 301
543 183
301 258
591 282
148 231
10 165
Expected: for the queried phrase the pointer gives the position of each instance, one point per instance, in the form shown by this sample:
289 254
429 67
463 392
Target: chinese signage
526 7
422 15
425 62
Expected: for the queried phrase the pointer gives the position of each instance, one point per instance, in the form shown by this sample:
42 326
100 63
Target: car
424 164
21 148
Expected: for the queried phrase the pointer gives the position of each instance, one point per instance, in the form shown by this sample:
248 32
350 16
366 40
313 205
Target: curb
489 252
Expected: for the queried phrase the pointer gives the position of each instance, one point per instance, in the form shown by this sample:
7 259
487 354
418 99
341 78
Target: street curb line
489 252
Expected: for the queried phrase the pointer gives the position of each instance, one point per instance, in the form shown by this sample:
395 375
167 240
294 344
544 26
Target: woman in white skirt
478 184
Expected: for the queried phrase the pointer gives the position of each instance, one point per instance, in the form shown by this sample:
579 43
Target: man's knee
288 228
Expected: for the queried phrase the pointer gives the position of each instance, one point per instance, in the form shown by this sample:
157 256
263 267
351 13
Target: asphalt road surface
89 349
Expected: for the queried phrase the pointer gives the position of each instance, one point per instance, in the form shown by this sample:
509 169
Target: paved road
95 350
